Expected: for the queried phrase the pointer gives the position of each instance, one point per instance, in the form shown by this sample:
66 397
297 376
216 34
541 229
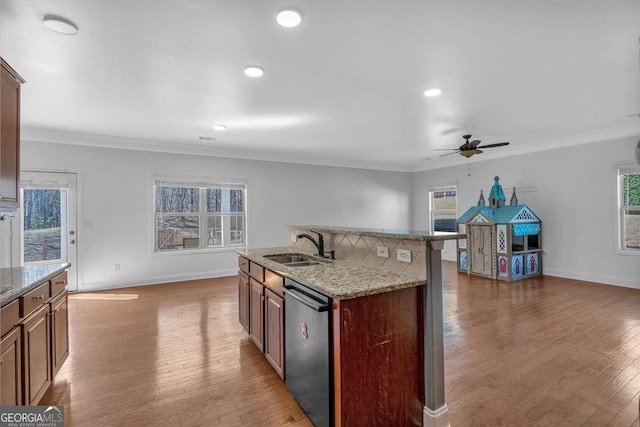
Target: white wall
115 206
575 197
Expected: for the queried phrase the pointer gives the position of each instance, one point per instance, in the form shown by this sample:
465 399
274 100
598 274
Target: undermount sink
294 260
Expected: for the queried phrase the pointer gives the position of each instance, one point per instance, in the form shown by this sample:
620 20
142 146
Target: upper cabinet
9 136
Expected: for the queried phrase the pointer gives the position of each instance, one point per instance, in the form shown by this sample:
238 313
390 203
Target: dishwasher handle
309 302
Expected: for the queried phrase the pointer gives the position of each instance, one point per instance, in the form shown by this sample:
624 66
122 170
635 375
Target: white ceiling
344 88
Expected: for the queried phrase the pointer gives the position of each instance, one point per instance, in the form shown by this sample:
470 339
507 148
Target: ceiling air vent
206 138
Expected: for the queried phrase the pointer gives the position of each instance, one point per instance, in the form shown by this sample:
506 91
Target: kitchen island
386 325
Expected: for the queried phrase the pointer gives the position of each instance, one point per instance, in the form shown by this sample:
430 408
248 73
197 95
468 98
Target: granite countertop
20 280
337 279
384 232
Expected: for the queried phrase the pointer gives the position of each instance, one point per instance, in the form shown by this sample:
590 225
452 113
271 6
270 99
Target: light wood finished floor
543 352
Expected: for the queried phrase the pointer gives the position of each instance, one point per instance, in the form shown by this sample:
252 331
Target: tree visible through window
629 180
198 217
443 209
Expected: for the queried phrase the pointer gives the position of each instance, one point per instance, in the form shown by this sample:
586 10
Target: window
443 208
629 207
198 216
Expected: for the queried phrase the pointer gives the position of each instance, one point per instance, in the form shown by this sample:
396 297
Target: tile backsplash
363 250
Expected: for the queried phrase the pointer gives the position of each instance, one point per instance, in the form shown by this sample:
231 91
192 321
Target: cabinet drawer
256 271
34 299
9 316
243 264
274 281
58 283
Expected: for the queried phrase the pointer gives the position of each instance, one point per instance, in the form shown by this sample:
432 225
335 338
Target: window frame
202 184
621 170
433 211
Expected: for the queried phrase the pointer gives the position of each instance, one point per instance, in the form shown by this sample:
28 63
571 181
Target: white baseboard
604 279
437 418
100 286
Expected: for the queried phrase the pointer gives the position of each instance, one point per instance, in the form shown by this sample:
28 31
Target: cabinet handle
1 362
41 297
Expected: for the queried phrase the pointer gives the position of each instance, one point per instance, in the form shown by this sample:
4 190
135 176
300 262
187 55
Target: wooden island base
378 359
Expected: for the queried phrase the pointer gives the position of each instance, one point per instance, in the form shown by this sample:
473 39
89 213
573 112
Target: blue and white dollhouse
503 241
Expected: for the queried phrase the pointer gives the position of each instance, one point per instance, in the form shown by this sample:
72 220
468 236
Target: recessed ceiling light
432 92
253 71
220 127
60 25
289 18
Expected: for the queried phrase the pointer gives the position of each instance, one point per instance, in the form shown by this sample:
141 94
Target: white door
48 218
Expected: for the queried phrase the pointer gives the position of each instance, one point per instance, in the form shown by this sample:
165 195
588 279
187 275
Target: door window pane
42 225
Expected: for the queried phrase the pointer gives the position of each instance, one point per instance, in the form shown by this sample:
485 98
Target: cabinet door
36 355
59 332
11 369
274 331
256 315
243 300
9 138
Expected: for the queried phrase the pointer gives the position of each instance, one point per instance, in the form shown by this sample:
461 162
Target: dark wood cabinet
59 332
9 136
36 355
256 314
243 300
274 331
11 368
261 310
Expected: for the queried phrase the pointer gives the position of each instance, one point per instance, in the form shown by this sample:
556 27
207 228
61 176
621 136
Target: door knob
72 241
71 233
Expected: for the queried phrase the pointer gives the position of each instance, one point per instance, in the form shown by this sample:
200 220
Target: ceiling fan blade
445 149
448 154
499 144
474 144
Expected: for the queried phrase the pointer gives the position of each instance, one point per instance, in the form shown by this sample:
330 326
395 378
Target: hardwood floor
542 352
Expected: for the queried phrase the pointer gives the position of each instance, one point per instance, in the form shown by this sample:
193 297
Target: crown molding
200 149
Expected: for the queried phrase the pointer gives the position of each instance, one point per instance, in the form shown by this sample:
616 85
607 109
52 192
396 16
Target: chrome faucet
319 244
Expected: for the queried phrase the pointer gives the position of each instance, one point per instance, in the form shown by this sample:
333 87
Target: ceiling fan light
468 153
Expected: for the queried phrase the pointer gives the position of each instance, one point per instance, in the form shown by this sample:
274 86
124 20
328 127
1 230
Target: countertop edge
382 233
17 293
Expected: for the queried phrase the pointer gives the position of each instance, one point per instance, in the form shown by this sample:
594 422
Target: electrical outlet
404 255
382 251
117 267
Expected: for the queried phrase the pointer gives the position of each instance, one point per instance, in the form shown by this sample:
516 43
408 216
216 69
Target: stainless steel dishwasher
309 375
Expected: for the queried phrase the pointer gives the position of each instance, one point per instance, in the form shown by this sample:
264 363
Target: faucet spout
319 244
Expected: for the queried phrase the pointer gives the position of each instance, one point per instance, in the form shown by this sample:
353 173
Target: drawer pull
59 283
41 297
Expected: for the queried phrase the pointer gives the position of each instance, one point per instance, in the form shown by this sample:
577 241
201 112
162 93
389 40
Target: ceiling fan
469 148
